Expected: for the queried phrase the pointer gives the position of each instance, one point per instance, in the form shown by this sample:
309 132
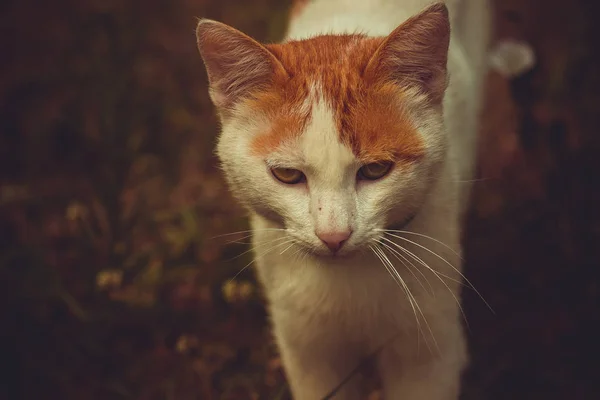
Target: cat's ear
236 64
416 53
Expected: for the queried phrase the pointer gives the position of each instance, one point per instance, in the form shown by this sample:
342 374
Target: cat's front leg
314 364
431 375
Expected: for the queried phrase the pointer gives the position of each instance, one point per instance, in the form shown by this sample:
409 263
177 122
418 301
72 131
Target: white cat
350 144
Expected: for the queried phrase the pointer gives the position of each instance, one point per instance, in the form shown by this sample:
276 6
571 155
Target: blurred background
116 281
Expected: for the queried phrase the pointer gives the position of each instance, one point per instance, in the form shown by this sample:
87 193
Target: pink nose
334 239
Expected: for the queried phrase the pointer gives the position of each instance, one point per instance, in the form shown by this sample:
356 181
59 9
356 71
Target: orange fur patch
287 120
377 127
281 104
368 114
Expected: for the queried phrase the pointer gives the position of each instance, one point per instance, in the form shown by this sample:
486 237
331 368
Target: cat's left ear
236 64
416 53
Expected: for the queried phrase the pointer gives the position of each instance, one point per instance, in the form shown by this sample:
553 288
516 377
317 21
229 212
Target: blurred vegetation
110 280
116 265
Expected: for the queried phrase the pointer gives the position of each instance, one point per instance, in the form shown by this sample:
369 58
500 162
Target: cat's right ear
416 53
236 64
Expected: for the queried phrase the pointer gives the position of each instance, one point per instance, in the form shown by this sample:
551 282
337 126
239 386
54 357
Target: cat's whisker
296 253
255 243
436 274
418 308
399 283
414 304
420 261
239 241
249 231
421 235
257 246
301 255
420 283
305 255
287 248
392 268
448 263
405 260
262 255
474 180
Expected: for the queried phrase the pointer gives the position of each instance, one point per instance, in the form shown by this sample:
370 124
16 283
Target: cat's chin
334 257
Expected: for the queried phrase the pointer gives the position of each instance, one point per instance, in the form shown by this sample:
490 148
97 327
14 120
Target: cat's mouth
323 253
339 255
349 250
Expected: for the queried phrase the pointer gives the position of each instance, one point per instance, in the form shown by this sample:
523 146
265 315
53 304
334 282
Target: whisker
239 241
421 312
305 255
397 255
257 246
287 248
400 282
262 255
437 275
474 180
422 235
448 263
417 258
297 252
412 300
416 304
248 231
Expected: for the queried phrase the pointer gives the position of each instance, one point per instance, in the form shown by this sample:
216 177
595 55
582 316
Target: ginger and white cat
350 143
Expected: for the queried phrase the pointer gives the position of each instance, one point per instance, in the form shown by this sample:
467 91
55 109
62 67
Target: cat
351 145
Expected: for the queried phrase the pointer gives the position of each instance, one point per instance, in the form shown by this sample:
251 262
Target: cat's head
333 137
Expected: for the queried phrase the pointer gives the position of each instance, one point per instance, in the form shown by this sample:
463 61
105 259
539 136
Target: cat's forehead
306 135
320 146
326 55
325 79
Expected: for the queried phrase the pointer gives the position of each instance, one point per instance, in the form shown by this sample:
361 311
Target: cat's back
371 17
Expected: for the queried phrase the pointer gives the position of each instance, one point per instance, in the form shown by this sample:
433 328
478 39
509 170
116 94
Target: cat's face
335 137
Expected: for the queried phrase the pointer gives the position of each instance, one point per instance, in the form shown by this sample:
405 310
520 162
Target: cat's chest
362 292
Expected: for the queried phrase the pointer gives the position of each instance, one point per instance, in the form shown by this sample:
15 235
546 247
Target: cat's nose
334 240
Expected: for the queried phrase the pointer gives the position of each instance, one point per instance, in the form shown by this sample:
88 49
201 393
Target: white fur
329 312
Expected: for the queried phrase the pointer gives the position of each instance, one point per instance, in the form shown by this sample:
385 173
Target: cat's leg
314 365
424 375
313 376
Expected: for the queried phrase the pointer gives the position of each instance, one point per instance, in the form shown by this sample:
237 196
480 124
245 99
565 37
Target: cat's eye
374 171
289 176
